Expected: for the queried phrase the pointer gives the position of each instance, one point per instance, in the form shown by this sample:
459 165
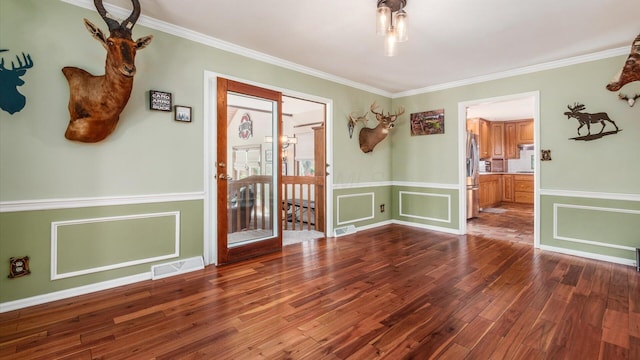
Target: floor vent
176 267
346 230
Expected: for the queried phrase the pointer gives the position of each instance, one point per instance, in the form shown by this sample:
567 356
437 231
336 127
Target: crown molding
520 71
185 33
195 36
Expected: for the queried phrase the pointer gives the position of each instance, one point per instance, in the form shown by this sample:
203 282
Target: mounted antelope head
630 100
95 102
369 137
11 100
630 71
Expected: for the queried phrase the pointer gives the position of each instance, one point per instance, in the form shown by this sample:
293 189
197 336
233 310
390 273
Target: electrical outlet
381 208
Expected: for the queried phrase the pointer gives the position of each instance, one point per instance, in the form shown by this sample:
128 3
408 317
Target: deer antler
355 119
374 106
28 63
630 100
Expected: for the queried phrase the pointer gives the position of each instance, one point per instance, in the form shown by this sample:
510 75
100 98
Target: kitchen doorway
499 185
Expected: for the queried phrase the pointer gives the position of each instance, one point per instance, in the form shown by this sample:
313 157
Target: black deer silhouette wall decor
11 100
586 119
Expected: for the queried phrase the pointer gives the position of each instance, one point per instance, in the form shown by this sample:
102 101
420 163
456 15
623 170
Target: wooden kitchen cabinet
510 140
484 139
524 132
497 140
481 128
490 190
523 189
507 188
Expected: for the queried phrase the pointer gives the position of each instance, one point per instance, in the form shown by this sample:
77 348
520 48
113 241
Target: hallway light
285 140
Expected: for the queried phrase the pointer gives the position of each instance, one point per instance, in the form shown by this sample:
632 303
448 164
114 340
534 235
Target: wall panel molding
350 221
72 203
590 195
55 242
558 236
446 196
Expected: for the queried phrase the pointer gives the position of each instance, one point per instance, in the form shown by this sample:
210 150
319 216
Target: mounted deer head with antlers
95 102
630 100
370 137
630 71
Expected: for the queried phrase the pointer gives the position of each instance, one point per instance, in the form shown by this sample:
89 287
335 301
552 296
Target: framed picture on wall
183 113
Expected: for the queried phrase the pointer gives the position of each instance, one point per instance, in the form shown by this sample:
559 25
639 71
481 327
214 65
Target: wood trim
225 253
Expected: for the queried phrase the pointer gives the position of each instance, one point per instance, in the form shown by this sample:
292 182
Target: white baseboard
588 255
428 227
68 293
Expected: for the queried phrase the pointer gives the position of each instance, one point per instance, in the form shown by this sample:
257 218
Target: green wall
150 154
585 172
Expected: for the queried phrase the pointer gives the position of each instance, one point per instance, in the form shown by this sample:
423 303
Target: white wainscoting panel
54 243
558 236
448 197
368 217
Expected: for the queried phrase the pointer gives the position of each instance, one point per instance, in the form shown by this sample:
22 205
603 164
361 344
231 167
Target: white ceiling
449 41
515 109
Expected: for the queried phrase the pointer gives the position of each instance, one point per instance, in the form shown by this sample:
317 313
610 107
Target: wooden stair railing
298 203
252 207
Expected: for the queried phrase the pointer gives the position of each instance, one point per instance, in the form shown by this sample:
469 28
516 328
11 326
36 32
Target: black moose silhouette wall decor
587 119
11 100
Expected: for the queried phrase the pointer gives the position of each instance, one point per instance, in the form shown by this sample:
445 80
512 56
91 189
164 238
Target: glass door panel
247 171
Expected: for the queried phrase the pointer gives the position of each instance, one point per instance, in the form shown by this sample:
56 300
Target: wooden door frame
228 254
210 249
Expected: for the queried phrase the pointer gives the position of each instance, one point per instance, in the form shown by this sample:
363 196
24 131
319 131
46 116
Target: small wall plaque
159 100
183 113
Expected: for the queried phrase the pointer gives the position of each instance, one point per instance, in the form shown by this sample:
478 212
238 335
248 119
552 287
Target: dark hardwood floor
394 292
513 223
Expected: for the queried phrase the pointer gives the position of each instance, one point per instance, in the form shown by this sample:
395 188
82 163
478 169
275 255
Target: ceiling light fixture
391 22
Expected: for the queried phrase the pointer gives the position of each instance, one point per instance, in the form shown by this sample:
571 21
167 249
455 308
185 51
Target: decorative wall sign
545 155
183 113
588 119
18 266
427 122
245 130
159 100
11 100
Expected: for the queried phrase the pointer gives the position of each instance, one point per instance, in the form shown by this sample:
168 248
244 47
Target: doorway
247 161
507 132
249 197
303 170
